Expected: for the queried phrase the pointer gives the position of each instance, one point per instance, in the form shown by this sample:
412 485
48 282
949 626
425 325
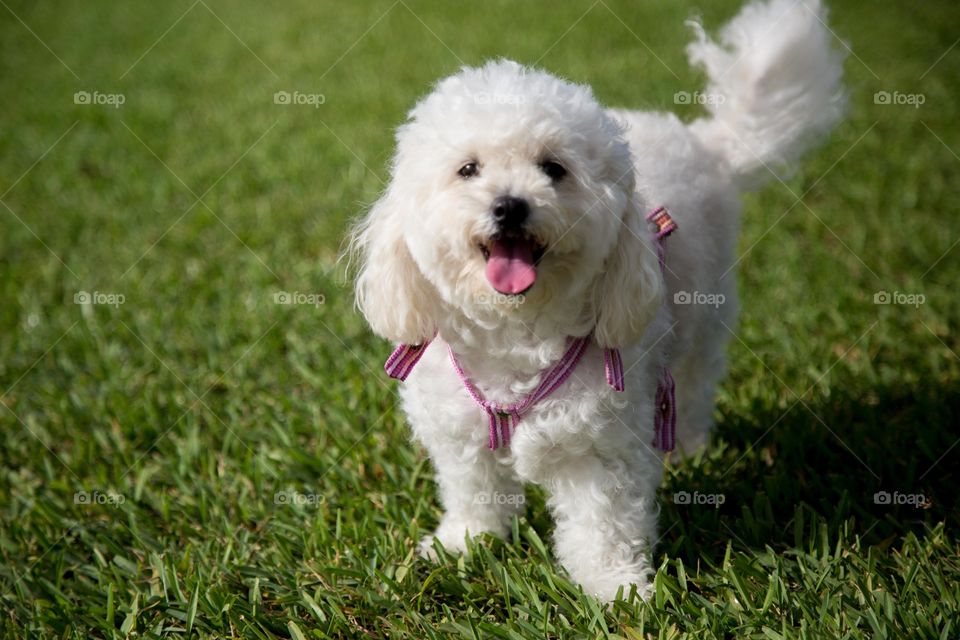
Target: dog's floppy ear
630 291
391 292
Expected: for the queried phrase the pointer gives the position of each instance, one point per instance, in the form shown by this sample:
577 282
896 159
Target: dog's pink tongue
510 268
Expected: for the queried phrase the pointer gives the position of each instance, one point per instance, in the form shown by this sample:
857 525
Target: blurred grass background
267 488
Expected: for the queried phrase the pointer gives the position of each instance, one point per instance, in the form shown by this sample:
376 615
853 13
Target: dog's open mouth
512 260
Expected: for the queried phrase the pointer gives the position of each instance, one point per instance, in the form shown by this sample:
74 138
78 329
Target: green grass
187 409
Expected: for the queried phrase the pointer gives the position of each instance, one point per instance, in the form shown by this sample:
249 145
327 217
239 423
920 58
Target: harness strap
401 362
665 412
503 420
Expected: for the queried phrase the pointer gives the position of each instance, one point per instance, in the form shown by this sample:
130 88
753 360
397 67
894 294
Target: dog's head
511 199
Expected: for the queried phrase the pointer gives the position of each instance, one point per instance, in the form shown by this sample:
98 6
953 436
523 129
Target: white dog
511 258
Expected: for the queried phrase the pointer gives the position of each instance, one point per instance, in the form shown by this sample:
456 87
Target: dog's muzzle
512 253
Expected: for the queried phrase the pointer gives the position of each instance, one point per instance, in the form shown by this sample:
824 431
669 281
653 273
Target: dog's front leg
606 520
479 493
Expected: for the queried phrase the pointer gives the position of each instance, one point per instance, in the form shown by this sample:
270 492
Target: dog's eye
469 170
553 169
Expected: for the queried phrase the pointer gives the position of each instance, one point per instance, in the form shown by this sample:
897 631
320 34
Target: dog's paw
453 535
427 549
604 586
607 591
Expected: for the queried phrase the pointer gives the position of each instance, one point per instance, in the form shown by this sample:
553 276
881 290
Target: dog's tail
774 86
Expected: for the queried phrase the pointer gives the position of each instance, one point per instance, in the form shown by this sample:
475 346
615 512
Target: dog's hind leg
699 367
696 374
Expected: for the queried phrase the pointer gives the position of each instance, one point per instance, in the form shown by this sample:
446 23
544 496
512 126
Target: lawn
182 454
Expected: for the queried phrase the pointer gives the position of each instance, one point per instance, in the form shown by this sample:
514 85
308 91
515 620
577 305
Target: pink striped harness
503 420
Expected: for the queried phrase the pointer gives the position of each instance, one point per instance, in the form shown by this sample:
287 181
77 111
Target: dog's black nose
510 212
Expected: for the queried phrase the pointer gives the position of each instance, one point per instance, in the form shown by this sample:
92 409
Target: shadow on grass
882 458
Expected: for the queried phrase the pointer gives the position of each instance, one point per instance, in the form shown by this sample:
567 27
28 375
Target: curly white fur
423 274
